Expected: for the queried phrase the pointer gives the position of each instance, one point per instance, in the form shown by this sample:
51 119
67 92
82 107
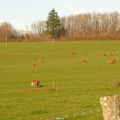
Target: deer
35 83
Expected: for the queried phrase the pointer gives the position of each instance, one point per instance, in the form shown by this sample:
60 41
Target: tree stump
110 107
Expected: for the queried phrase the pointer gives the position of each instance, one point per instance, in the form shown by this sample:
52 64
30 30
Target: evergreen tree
54 26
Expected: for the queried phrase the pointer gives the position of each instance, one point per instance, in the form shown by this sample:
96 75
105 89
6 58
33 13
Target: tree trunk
110 107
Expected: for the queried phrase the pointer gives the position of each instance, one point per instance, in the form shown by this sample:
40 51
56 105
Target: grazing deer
40 61
112 53
73 53
112 61
85 61
34 65
118 84
35 83
105 54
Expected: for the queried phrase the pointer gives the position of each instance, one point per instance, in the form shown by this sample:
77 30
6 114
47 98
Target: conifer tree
54 26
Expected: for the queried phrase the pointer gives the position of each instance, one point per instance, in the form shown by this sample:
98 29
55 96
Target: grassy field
79 84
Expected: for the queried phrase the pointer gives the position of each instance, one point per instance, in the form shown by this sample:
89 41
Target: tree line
8 32
90 26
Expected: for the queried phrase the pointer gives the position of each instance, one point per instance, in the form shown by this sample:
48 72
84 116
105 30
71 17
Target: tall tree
7 31
54 25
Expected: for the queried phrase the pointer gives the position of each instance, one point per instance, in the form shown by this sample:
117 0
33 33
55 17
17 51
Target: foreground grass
79 84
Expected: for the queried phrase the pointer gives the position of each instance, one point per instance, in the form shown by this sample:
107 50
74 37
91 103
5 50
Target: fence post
110 107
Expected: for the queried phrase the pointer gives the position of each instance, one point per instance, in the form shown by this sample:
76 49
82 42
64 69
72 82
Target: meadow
79 69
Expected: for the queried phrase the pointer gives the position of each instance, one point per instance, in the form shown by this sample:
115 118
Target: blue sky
21 13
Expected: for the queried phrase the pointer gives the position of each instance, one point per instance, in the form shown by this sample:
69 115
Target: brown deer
35 83
85 61
112 61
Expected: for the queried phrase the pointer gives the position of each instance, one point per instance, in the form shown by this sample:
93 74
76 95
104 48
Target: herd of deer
36 83
111 60
37 63
111 56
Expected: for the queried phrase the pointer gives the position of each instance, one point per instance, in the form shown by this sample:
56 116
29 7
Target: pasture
80 71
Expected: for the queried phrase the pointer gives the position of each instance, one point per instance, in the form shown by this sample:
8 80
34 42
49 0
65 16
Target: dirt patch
34 91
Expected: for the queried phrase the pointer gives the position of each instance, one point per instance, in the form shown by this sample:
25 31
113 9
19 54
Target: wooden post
53 85
110 107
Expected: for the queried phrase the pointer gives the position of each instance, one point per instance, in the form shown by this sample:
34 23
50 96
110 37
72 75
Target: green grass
80 85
